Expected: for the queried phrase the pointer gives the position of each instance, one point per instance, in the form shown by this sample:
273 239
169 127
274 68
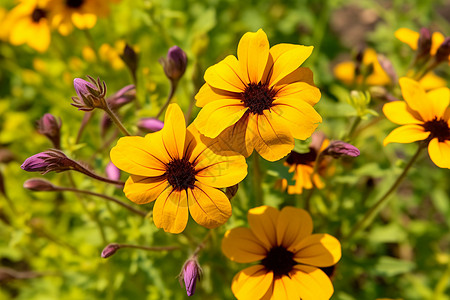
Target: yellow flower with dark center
27 23
173 167
411 38
79 13
288 256
261 100
424 116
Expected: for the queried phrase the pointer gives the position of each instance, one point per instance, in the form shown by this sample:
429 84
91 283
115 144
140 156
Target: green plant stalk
374 210
173 88
439 290
355 124
154 248
116 121
257 180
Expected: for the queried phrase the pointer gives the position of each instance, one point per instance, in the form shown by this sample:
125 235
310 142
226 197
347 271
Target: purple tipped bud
130 58
123 96
339 149
443 52
110 250
51 160
91 94
150 124
50 127
190 273
39 185
112 172
424 43
81 87
175 63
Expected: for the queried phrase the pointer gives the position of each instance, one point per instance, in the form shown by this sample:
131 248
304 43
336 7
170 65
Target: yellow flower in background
347 71
424 116
28 23
411 38
79 13
288 254
173 167
111 54
260 100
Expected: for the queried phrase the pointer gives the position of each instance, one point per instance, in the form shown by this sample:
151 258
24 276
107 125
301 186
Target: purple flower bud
81 87
424 43
112 172
130 58
110 250
150 124
50 127
51 160
123 96
339 149
443 52
190 273
175 63
39 185
388 67
91 94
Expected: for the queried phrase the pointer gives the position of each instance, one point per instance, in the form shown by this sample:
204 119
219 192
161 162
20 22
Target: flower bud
190 273
91 94
48 161
50 127
387 66
174 64
339 149
6 156
39 185
443 52
112 172
150 124
231 191
110 250
130 58
123 96
424 43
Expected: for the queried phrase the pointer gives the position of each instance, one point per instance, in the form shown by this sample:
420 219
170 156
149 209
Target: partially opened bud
175 63
39 185
110 250
48 161
50 127
339 149
190 273
150 124
443 52
91 94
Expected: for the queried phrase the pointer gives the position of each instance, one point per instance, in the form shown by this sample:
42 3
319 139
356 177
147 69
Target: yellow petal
431 81
84 21
251 283
40 39
272 138
208 206
408 36
417 99
174 131
253 52
293 225
134 155
436 40
284 288
399 113
406 134
241 245
286 59
300 91
20 32
262 221
218 115
143 190
345 71
226 75
320 250
171 211
299 75
299 116
439 100
208 94
440 153
311 283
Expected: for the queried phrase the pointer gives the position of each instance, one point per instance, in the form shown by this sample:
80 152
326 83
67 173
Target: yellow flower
346 71
261 100
424 116
288 256
411 38
27 23
79 13
182 174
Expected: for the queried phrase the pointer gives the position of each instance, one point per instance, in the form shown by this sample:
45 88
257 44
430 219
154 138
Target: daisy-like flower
79 13
28 23
173 167
260 100
424 116
288 256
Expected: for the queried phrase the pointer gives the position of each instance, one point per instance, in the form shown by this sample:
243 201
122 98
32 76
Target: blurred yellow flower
260 101
347 71
28 23
411 38
289 256
111 55
173 167
79 13
424 116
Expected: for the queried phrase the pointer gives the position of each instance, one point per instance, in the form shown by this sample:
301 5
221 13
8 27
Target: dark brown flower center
258 97
438 128
181 174
295 158
38 14
74 3
279 260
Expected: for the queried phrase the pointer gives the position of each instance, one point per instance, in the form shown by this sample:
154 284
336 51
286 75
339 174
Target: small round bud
39 185
110 250
190 273
150 124
50 127
174 63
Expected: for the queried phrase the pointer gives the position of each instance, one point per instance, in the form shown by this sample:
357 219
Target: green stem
257 180
173 88
374 210
154 248
442 284
202 244
116 121
355 124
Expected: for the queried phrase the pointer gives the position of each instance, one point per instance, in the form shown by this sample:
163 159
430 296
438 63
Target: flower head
91 94
260 100
175 168
423 116
48 161
175 63
50 127
190 274
288 254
